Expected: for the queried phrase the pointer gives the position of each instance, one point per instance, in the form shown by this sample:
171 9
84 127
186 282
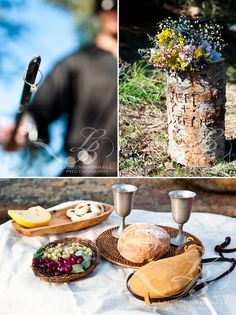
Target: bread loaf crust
142 243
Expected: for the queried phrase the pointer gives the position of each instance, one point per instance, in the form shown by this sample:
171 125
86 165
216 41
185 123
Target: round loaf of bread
142 243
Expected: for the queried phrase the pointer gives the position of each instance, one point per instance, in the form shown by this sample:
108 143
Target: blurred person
84 86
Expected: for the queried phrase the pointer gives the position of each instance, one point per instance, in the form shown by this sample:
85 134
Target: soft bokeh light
50 32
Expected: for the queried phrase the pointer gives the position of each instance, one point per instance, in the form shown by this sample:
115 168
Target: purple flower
189 48
207 47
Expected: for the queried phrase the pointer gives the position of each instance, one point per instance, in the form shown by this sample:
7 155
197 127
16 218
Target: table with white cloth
104 290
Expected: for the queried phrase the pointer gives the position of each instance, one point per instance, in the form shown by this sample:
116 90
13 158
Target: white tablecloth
104 291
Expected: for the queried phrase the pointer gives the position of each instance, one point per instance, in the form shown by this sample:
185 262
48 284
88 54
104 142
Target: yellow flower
181 63
164 37
199 53
182 66
181 41
154 56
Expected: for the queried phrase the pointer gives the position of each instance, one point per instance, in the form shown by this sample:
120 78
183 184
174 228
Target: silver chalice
123 195
181 207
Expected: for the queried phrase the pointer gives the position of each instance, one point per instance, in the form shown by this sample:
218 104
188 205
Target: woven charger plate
72 276
107 245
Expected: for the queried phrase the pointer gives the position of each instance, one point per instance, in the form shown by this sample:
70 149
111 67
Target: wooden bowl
72 276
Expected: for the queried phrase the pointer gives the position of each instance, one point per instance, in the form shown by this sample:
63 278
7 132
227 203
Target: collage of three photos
118 154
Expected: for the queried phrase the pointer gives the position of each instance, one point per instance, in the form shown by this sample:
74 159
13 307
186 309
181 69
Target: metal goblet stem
181 207
123 195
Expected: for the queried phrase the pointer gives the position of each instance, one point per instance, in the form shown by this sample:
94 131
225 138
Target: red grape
57 267
68 268
80 259
73 259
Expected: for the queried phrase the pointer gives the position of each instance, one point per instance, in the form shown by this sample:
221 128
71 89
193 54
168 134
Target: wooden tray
107 245
60 223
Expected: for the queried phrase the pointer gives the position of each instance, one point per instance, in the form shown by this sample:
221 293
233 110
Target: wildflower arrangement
186 45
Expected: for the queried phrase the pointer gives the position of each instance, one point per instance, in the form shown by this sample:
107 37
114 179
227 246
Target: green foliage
141 84
221 169
39 252
161 138
134 165
85 6
83 12
231 74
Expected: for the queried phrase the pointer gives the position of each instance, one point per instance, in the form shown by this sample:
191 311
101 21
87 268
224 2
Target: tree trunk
196 116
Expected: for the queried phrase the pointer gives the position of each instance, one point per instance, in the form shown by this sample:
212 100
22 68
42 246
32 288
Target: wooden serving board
60 223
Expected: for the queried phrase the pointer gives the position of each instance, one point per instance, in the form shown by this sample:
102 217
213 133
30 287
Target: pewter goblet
123 195
181 206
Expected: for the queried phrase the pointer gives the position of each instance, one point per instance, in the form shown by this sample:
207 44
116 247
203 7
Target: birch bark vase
196 116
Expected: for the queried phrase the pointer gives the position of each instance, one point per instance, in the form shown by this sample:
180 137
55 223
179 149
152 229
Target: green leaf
39 252
86 257
87 261
86 264
77 268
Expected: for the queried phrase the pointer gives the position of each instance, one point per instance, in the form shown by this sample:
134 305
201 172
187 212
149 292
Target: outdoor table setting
95 283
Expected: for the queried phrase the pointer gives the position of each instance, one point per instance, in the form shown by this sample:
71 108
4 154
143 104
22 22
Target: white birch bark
196 116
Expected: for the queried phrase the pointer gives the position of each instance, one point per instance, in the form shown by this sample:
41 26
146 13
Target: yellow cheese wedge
33 217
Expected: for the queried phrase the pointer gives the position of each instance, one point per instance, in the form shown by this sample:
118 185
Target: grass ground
143 127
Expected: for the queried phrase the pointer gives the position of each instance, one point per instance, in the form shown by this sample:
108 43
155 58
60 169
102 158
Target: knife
28 89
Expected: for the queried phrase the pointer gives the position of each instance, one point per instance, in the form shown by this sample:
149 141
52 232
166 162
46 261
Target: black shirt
84 85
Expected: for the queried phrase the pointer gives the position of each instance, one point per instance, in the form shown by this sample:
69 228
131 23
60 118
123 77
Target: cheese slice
33 217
